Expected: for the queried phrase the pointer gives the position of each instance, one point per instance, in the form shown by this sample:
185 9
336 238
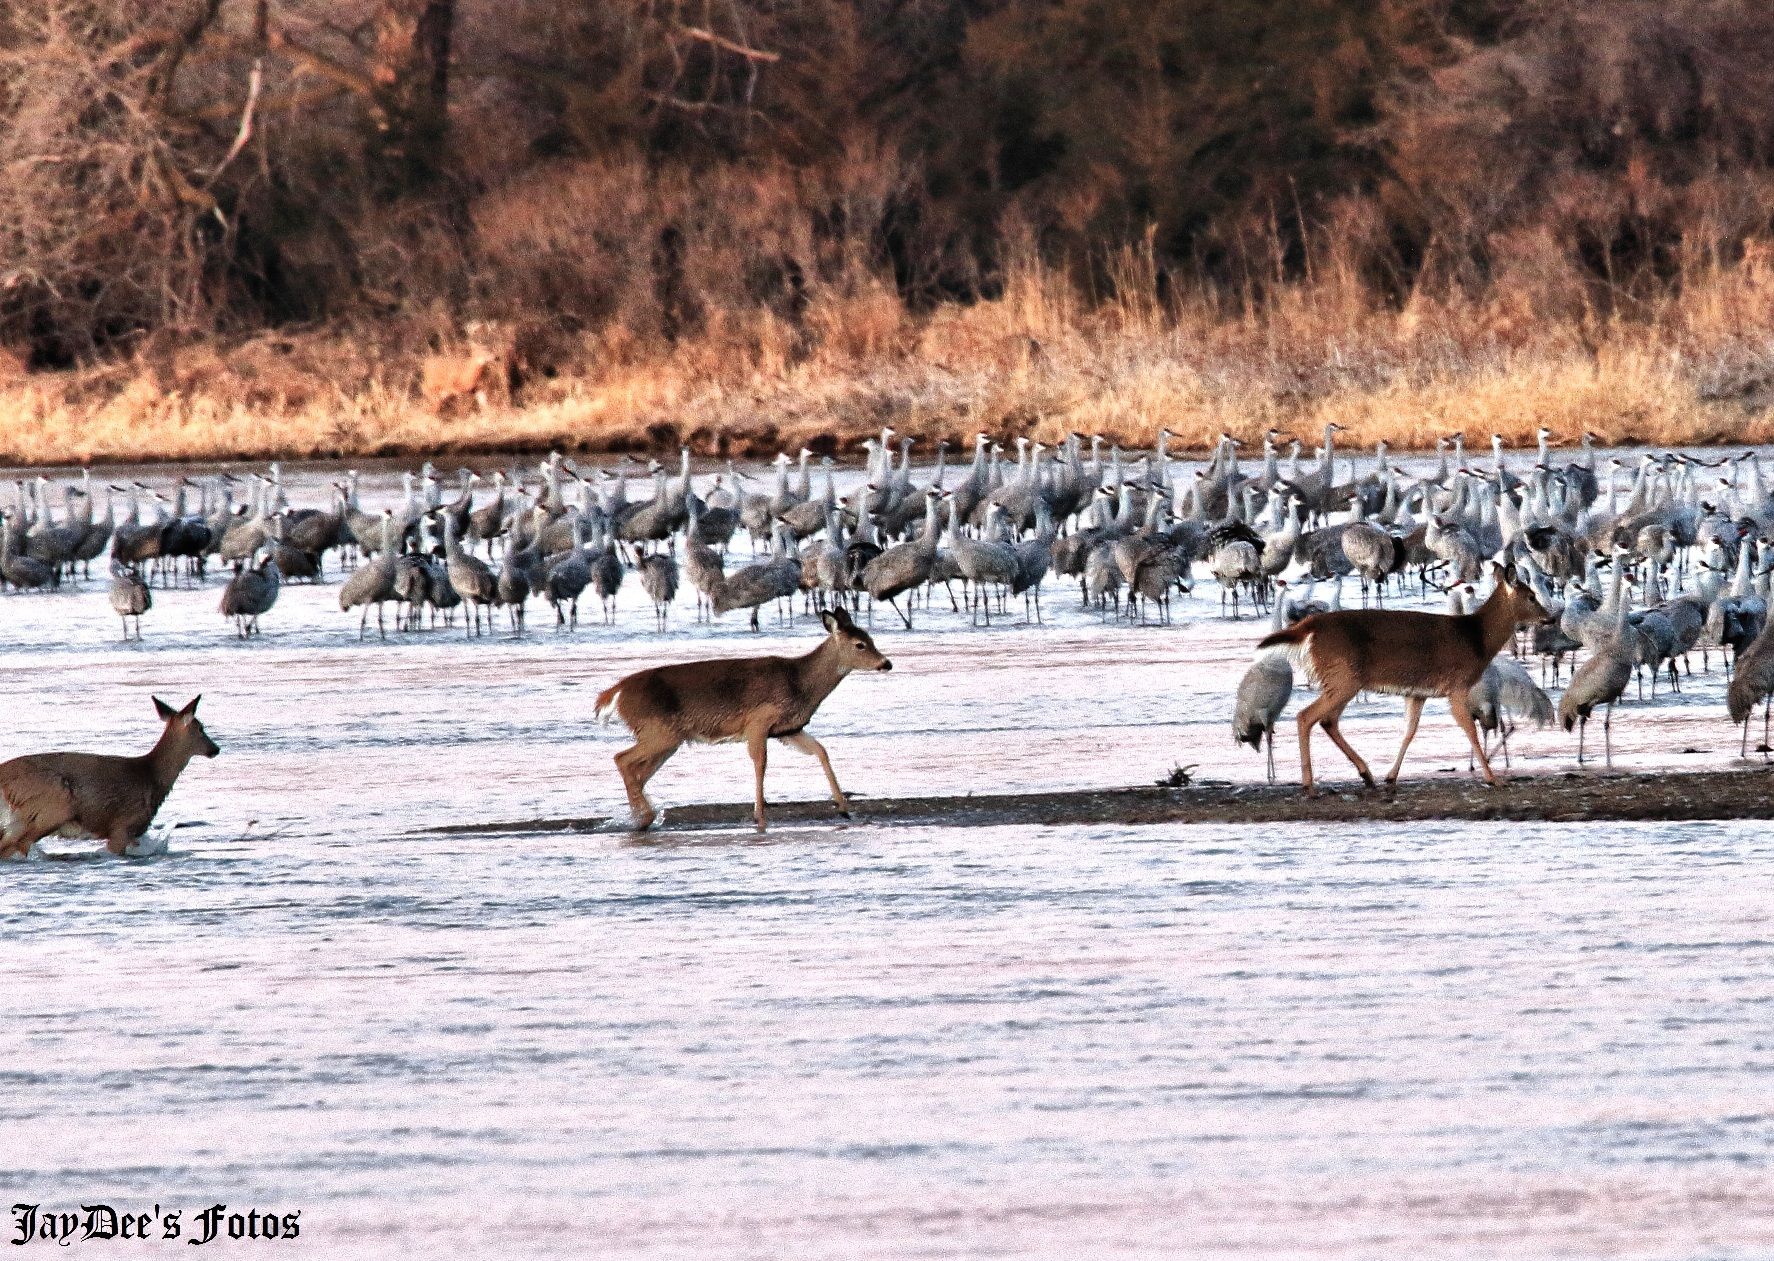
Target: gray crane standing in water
130 596
659 579
1263 693
904 566
567 579
373 583
1753 681
473 580
1503 693
1601 680
253 590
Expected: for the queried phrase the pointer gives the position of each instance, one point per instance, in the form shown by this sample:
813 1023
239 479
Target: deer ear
830 622
167 712
192 707
1509 575
844 619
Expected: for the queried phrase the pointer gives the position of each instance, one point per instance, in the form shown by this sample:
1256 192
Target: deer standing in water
1408 654
110 798
755 699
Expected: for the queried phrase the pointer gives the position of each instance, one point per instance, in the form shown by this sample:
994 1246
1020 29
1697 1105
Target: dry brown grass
1039 360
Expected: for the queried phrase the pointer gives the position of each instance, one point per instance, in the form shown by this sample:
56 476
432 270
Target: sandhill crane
1235 564
1263 693
96 535
806 519
241 540
984 564
904 567
318 532
487 522
1503 694
659 579
130 596
52 543
22 572
512 586
473 580
412 579
606 575
567 579
649 522
373 584
252 591
1373 554
777 578
701 562
1600 681
757 513
1033 556
1753 682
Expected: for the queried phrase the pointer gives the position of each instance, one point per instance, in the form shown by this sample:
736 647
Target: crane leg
1608 736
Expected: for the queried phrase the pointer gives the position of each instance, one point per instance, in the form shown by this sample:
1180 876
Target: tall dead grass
739 360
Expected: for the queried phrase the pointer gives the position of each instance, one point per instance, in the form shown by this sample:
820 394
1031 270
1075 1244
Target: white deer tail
606 703
1300 654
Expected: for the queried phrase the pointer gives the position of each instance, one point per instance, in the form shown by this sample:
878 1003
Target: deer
1409 654
754 699
102 796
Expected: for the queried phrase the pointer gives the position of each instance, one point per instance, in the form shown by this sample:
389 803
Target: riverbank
1040 361
1564 797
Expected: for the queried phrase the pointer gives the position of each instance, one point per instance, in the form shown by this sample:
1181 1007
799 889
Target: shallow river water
863 1040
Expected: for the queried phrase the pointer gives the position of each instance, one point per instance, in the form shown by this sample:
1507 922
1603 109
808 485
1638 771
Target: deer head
184 730
1523 605
856 651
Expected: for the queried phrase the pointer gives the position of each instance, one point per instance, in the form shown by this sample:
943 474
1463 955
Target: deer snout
885 664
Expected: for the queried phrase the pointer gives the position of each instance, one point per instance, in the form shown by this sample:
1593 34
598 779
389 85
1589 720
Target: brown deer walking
1413 655
112 799
755 699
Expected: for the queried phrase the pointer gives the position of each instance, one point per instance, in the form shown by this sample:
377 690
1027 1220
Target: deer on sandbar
754 699
1408 654
108 798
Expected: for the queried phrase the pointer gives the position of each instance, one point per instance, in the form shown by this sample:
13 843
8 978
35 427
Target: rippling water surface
1473 1041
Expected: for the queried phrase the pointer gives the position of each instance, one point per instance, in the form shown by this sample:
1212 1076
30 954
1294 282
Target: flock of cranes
1641 563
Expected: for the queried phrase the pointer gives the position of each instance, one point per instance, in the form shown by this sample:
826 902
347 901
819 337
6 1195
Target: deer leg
122 837
19 843
1413 713
637 765
1463 715
757 741
1333 729
807 744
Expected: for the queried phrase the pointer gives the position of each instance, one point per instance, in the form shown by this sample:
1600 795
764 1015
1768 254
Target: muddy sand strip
1565 797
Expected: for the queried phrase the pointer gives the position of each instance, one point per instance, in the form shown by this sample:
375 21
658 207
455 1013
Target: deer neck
820 671
1496 621
165 762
